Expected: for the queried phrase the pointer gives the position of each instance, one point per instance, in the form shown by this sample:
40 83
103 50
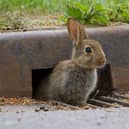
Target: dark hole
38 75
105 83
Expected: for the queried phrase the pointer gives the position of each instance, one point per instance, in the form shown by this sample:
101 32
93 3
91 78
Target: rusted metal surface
115 42
22 52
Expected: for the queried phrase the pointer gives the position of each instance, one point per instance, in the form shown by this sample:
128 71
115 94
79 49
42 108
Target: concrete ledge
22 52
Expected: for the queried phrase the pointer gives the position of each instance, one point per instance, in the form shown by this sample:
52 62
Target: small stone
44 108
37 110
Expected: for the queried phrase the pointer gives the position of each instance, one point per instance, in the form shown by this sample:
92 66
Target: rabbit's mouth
101 63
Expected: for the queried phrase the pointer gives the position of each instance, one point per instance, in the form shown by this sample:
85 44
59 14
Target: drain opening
38 75
104 98
105 82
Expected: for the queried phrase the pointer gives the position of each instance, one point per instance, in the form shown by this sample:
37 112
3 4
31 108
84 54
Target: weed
98 12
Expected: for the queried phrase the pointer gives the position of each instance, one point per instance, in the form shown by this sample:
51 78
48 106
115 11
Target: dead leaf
2 102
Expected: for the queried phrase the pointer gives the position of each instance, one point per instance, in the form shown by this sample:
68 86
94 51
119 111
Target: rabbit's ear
76 31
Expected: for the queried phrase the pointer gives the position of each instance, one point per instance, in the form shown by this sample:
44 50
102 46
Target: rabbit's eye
88 50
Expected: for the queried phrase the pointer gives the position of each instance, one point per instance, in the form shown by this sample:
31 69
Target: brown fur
72 81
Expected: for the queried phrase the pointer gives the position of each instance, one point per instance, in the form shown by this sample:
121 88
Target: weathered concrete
89 119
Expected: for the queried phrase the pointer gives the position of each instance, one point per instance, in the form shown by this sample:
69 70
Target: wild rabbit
72 81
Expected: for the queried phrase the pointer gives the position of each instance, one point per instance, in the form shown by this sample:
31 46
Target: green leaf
74 12
99 12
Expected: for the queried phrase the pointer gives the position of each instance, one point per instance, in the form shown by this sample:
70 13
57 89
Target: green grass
33 6
28 6
45 6
36 6
14 12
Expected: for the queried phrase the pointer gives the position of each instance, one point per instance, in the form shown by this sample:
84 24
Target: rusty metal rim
46 32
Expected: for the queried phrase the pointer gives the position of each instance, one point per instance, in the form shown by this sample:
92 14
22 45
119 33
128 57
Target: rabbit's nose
102 61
